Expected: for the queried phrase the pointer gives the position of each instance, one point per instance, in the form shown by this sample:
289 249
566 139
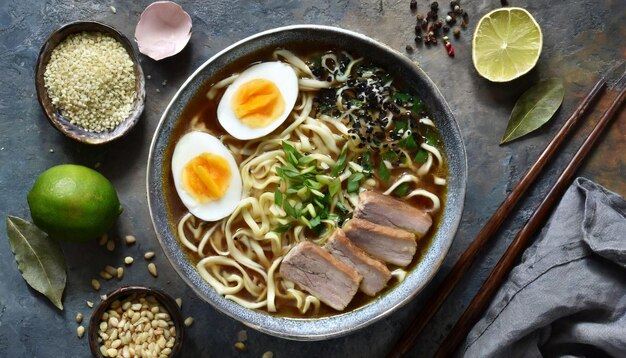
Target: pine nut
95 284
130 239
105 275
152 269
111 245
128 260
188 321
79 317
240 346
112 352
268 354
110 270
242 336
120 273
80 331
179 302
103 240
148 255
90 304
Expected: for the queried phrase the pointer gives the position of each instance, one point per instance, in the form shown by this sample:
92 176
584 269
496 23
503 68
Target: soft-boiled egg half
259 100
206 176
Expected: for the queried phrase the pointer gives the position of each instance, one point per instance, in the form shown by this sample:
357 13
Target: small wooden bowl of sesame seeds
135 320
89 82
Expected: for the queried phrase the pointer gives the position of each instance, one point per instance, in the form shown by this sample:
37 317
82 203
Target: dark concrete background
582 39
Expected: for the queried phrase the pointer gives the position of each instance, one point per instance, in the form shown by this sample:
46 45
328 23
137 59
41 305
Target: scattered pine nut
103 240
80 331
268 354
188 321
148 255
179 302
95 284
242 336
130 239
110 269
120 273
111 245
152 269
90 304
240 346
79 318
105 275
128 260
103 297
113 9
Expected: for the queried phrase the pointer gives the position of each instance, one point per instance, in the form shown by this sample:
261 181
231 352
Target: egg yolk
258 103
206 177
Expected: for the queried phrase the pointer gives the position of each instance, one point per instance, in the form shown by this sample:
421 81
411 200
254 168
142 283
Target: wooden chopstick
508 260
487 232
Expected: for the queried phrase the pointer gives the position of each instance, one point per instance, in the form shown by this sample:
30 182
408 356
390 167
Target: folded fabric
567 297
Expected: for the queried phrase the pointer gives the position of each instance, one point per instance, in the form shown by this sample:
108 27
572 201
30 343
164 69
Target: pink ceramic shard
163 30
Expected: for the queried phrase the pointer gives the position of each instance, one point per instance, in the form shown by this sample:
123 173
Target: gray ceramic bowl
397 64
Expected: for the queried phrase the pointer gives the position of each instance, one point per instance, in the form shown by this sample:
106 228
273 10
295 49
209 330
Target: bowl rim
165 299
282 326
51 114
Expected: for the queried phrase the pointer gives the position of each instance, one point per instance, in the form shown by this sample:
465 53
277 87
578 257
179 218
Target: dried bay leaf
39 258
534 108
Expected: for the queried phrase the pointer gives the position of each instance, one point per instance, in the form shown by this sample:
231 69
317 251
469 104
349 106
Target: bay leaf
39 259
534 108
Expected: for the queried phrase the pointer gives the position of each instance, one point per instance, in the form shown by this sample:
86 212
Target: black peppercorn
438 24
413 4
504 3
409 48
453 4
433 15
456 32
418 29
434 6
418 39
446 28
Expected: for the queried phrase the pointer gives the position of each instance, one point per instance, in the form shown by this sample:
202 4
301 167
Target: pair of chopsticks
502 268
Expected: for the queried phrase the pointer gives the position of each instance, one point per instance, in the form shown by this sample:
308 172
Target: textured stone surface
581 41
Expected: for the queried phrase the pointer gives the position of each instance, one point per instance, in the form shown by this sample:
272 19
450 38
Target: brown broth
206 110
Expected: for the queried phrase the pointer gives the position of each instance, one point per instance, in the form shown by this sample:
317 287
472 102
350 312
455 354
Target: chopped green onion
291 153
401 124
354 181
383 172
402 189
278 197
390 156
340 165
315 221
409 143
282 228
402 97
422 156
418 105
290 210
366 162
334 187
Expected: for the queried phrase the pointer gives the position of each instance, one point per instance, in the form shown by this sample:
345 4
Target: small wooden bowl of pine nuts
135 320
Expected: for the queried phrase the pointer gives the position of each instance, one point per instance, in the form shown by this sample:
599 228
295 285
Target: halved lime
507 44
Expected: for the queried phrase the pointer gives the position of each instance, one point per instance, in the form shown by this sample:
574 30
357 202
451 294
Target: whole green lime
73 203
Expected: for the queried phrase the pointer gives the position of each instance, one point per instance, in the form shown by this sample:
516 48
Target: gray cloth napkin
567 297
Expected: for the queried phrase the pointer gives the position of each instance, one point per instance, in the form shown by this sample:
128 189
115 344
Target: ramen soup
305 184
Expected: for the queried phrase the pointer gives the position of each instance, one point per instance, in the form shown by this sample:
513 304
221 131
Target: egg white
188 147
279 73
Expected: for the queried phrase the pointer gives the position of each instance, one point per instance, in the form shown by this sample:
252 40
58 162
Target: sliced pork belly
385 210
375 273
389 244
321 274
